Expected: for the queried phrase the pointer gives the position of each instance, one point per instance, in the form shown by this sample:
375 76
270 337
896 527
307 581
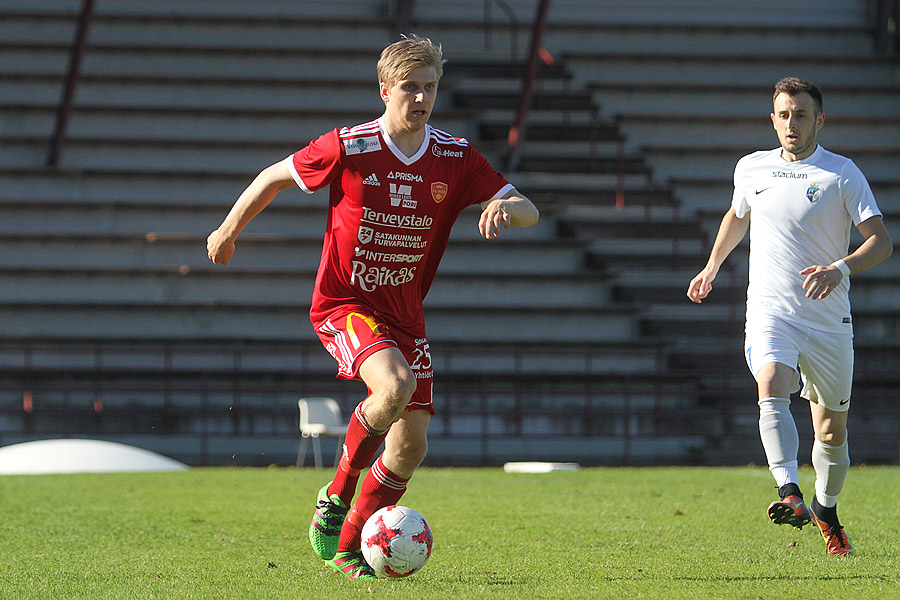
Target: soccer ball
396 541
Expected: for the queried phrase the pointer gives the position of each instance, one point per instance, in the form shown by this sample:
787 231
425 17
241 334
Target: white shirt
800 215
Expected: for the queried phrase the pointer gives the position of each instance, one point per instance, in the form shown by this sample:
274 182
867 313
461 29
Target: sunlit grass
614 533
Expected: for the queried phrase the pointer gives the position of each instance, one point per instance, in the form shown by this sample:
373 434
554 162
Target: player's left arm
877 246
513 208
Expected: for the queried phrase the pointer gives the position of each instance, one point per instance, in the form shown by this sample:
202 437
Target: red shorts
353 336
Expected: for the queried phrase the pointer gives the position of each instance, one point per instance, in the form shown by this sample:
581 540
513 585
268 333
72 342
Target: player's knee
403 386
396 392
832 436
774 381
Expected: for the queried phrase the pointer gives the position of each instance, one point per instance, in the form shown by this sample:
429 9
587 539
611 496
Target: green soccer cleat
351 565
325 529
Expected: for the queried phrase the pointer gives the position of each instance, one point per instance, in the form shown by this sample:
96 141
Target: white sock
780 439
831 464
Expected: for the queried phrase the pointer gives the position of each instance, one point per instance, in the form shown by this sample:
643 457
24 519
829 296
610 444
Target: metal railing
71 83
884 16
174 399
513 21
518 130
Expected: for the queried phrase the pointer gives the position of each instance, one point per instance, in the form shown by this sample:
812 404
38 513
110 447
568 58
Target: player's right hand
700 286
219 248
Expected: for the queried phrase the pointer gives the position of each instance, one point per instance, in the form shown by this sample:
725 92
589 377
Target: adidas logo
371 180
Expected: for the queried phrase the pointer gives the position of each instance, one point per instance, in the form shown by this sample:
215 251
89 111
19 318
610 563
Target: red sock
380 488
360 445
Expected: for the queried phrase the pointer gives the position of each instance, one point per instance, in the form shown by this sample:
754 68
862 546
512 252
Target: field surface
598 533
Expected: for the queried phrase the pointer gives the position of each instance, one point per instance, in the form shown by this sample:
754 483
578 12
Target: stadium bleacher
568 341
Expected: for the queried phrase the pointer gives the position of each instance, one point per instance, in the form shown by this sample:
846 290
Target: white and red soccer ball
396 541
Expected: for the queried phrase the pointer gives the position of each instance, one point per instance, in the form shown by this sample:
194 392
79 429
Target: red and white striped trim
443 137
341 344
386 478
358 130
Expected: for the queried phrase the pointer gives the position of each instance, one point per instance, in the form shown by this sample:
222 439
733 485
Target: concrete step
615 255
138 218
755 131
458 36
728 97
662 69
241 92
227 361
719 319
288 127
213 156
591 222
156 321
219 190
575 99
714 193
190 286
656 12
711 219
272 9
506 256
655 287
699 38
875 161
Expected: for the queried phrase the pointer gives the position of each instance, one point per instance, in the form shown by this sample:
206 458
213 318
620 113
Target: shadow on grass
784 578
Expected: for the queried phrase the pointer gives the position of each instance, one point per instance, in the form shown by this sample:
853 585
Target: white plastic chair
319 417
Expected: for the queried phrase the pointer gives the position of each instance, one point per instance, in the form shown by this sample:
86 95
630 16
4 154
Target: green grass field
616 533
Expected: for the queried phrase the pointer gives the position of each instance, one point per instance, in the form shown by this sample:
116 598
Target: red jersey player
396 186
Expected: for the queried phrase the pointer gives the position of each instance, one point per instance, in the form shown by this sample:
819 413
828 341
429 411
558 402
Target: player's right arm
273 179
731 231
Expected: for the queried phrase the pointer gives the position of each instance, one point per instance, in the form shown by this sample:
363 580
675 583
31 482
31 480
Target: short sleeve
739 197
483 181
858 197
318 164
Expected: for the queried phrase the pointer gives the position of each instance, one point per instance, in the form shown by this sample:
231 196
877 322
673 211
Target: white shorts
824 358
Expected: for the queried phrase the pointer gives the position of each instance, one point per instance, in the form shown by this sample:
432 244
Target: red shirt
389 216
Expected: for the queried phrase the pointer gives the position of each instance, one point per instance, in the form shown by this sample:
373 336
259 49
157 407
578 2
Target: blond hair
412 52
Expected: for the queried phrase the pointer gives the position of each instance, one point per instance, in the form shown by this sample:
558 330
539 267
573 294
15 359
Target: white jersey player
799 202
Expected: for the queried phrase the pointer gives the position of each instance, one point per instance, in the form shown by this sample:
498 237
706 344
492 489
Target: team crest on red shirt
439 190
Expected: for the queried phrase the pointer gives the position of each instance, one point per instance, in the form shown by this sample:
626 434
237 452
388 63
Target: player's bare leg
831 460
405 448
391 384
407 443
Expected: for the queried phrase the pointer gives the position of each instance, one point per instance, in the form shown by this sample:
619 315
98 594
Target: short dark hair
793 86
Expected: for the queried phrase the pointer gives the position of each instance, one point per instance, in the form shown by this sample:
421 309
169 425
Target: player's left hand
494 214
820 281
